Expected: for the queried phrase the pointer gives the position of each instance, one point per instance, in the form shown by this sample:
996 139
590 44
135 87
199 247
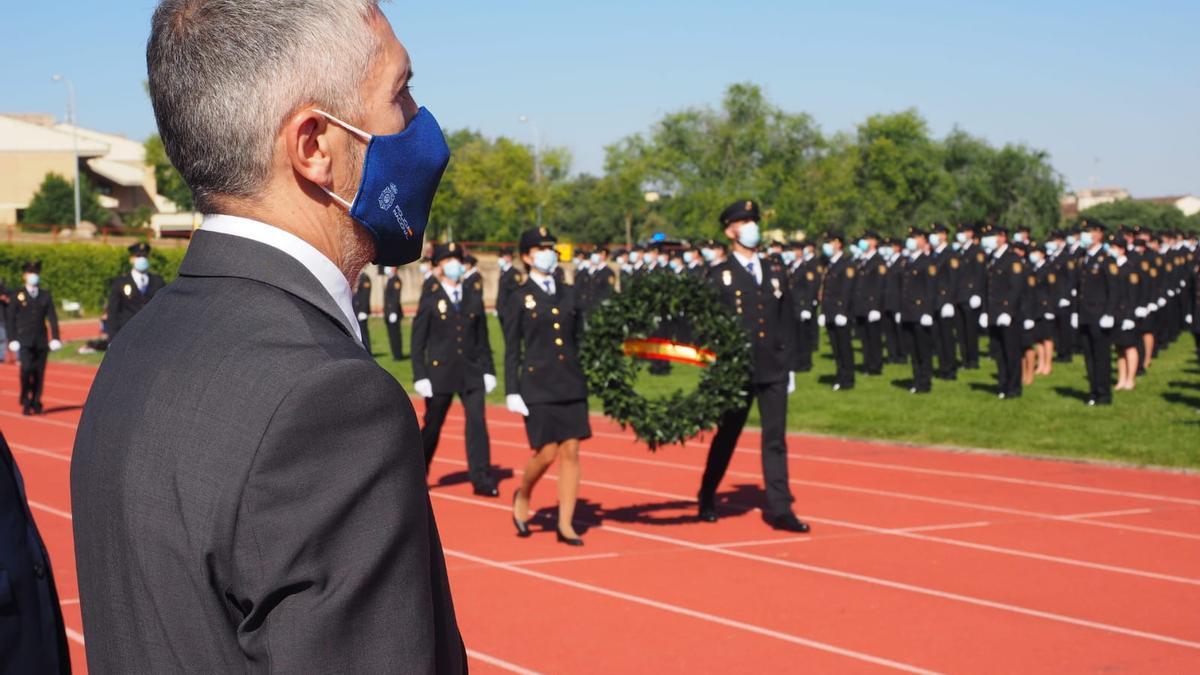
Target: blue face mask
789 257
545 260
862 245
708 254
749 235
827 249
1051 247
676 266
32 279
910 244
141 264
1086 239
400 176
453 270
989 243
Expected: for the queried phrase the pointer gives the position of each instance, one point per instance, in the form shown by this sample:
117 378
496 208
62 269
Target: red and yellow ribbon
658 349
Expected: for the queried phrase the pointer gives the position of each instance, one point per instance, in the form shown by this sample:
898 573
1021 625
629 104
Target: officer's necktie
549 288
750 269
455 300
142 283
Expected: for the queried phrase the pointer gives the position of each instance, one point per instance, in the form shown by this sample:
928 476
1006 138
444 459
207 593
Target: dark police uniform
1006 281
1066 266
918 298
28 313
509 280
130 292
1098 296
602 282
764 310
868 298
944 340
891 307
450 348
805 281
972 283
393 313
361 303
836 298
541 356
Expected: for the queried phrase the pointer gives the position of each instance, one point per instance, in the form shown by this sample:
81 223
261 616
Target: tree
170 184
1132 212
54 203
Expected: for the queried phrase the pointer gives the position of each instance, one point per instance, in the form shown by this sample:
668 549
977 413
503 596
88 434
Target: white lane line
72 601
764 542
875 581
46 399
49 509
565 558
37 419
21 447
691 613
500 663
1107 514
939 528
75 635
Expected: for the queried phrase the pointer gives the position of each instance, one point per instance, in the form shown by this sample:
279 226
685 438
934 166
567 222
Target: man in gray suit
248 485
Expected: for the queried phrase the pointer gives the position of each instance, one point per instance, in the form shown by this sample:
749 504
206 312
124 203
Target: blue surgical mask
594 258
789 257
862 245
1086 239
910 244
141 264
1072 240
688 257
545 260
32 279
708 254
935 239
505 264
400 176
749 235
635 257
827 249
961 238
1051 247
676 266
453 269
989 243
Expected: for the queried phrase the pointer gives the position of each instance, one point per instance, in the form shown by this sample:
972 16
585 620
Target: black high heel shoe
522 527
569 541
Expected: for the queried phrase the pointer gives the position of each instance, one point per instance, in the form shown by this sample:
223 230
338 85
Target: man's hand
874 316
1004 320
947 311
840 320
14 346
424 388
791 382
927 320
1107 322
55 345
516 404
489 383
393 317
975 302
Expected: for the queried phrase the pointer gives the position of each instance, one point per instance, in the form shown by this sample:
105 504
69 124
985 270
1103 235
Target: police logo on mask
387 197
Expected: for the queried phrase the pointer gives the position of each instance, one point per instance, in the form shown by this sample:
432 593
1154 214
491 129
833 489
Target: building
1188 204
33 145
1074 202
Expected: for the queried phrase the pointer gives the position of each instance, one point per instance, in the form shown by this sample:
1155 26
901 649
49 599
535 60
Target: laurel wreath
638 312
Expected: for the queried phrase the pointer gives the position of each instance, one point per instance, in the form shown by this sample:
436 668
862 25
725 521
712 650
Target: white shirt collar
329 276
541 279
1000 251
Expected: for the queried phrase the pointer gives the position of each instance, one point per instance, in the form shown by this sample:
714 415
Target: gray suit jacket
249 487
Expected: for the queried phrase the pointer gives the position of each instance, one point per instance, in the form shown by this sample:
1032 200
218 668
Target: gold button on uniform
554 311
558 341
557 327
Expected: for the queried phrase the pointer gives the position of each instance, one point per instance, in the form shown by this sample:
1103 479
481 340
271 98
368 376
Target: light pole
537 163
74 135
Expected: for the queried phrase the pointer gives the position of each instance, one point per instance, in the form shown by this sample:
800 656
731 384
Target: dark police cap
443 251
939 227
1118 242
141 248
32 266
470 259
871 234
745 209
917 232
998 229
1092 224
834 236
601 249
506 250
537 237
1019 246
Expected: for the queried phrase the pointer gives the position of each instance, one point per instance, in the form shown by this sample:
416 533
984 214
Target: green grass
1158 424
70 354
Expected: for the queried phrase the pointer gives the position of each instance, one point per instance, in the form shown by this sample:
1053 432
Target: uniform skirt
1043 330
557 422
1124 339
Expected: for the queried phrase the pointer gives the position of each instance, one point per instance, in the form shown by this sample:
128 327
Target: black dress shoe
486 491
37 408
26 411
522 526
569 541
708 513
787 522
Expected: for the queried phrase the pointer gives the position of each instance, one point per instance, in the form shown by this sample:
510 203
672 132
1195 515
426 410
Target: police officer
868 301
602 281
972 282
805 282
130 292
544 380
1130 291
944 317
896 262
393 311
837 294
29 311
1098 296
918 301
1006 281
757 292
510 278
451 355
361 302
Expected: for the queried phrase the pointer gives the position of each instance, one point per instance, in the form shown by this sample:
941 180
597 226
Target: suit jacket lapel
221 255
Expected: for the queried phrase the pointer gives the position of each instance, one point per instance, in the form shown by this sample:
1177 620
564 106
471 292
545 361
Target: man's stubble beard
357 244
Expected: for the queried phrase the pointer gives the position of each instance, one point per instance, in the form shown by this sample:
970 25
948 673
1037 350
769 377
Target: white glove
947 311
840 320
393 317
1127 325
1074 292
489 383
1064 303
1170 293
362 316
791 382
1074 321
821 321
1187 319
975 302
1106 322
14 346
983 321
1140 312
805 315
927 320
897 317
1152 307
424 388
1004 320
516 404
1162 302
55 345
1048 316
873 316
1027 324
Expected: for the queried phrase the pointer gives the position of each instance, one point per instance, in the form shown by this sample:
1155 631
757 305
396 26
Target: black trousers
33 373
891 337
1097 352
922 355
1064 337
366 335
479 448
947 346
772 407
804 346
872 345
843 353
396 338
1006 349
968 335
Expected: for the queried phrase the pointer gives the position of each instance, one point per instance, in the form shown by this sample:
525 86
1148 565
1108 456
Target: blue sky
1110 89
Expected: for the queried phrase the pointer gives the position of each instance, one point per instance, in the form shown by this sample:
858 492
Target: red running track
920 560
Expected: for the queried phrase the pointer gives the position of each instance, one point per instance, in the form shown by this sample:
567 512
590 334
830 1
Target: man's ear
307 138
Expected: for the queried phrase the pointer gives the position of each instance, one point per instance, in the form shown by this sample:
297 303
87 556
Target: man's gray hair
226 74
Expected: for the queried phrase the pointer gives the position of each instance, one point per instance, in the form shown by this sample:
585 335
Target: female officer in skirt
543 379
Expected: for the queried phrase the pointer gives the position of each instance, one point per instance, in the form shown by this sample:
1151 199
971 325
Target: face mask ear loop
357 132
